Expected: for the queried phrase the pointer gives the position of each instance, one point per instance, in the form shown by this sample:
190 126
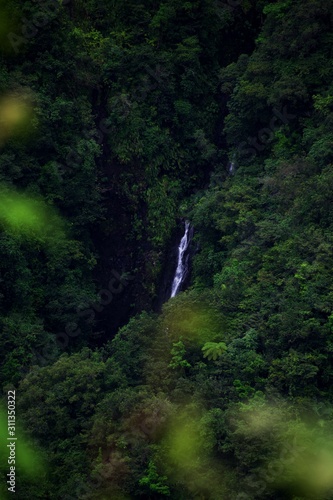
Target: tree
213 350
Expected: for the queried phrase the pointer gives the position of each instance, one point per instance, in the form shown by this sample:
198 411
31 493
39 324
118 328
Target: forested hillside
118 121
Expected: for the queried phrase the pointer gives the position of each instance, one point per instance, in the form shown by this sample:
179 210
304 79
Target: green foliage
116 119
213 350
178 351
30 218
154 482
278 10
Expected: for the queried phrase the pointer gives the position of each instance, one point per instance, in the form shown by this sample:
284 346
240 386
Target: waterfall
231 168
232 165
182 264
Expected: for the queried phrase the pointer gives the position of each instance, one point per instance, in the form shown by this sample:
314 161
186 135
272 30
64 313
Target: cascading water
182 264
231 168
232 165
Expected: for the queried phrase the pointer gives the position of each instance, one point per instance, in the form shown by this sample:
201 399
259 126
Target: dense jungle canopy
120 119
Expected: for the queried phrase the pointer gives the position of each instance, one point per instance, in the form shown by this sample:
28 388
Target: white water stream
182 264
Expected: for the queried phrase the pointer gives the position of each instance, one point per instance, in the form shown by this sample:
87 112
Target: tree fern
213 350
